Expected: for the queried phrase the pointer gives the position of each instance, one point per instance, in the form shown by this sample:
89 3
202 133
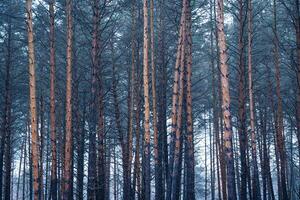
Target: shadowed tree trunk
243 138
279 113
101 129
157 162
53 184
162 103
190 175
67 171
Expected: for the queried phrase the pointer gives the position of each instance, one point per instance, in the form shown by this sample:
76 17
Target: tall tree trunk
136 102
80 155
274 129
136 185
24 163
92 172
231 191
279 116
243 138
32 94
174 105
20 168
67 173
216 127
107 169
265 155
101 129
255 179
189 114
47 171
157 164
220 113
178 134
263 150
162 103
53 184
146 156
121 137
131 96
42 135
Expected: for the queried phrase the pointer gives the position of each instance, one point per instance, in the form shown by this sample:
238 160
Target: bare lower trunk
67 173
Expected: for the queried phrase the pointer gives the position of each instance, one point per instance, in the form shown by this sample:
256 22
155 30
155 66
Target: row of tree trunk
168 161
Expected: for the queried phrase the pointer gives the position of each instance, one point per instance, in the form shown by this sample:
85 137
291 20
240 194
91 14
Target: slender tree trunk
179 118
174 105
136 186
80 155
243 138
266 157
212 161
220 113
255 179
280 132
131 98
101 138
263 150
20 167
107 170
136 102
32 93
67 173
24 163
30 182
157 164
274 129
162 103
216 127
92 172
123 140
231 191
53 184
189 118
146 157
47 164
42 135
